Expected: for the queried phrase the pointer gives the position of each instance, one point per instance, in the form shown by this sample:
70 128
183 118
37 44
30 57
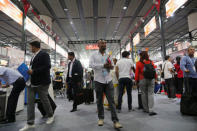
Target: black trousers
170 87
125 82
74 88
18 86
179 85
192 83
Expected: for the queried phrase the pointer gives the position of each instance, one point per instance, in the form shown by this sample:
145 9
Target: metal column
120 49
23 39
55 53
132 52
163 48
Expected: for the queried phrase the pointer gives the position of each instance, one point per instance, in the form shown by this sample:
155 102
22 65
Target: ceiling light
124 8
66 9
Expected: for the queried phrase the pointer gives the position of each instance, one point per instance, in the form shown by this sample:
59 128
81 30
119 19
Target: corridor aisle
85 119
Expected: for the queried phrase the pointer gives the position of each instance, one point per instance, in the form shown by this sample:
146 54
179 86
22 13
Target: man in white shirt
123 69
168 76
101 64
12 77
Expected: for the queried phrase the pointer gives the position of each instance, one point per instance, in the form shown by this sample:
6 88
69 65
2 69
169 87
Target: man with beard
101 63
188 67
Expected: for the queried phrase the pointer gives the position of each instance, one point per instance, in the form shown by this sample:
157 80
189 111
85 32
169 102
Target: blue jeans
125 82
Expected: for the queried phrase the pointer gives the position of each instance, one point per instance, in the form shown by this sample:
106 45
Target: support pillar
163 48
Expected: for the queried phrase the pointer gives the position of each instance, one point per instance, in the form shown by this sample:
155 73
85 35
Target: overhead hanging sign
128 47
173 5
16 14
7 7
35 30
92 47
150 26
136 39
92 41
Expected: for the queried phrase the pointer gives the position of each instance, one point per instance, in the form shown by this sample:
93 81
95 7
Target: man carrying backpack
145 76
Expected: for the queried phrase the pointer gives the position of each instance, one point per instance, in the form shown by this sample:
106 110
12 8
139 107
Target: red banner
26 6
92 47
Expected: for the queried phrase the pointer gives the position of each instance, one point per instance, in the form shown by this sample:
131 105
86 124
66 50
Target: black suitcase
140 106
41 108
89 95
80 96
188 105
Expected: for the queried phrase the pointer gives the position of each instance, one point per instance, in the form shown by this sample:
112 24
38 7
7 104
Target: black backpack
149 71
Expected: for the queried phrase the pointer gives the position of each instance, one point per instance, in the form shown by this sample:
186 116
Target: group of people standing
108 74
176 75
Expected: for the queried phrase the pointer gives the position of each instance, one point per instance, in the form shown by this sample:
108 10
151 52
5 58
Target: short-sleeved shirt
124 65
167 65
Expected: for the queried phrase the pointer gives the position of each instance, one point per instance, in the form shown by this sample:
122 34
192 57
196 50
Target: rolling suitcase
140 106
188 105
41 108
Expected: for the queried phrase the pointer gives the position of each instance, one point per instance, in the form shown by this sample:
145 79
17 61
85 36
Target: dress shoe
152 113
73 110
6 121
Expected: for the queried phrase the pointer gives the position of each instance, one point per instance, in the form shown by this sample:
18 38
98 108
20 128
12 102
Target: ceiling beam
122 14
99 17
64 6
140 7
95 15
109 13
45 2
82 18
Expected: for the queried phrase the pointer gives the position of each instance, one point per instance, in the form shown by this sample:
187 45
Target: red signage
92 47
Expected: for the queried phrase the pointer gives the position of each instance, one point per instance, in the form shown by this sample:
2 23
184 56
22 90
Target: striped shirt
9 75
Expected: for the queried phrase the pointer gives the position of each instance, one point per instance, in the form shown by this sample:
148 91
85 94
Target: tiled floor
85 119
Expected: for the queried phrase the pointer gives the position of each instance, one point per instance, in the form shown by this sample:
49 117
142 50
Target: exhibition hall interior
98 65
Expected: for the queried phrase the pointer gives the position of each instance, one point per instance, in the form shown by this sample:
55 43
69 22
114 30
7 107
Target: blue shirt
187 63
9 75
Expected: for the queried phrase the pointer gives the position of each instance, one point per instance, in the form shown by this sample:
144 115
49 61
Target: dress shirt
188 63
71 67
97 61
9 75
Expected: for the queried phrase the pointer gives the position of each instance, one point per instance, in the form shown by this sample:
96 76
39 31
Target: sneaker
117 125
100 122
50 120
26 127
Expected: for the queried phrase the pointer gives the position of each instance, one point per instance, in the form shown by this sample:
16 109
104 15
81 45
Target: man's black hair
35 44
125 54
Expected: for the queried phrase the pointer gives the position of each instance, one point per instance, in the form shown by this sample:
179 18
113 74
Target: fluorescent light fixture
66 9
124 8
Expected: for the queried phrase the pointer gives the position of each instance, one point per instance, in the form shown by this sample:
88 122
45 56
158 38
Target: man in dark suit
74 77
40 80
